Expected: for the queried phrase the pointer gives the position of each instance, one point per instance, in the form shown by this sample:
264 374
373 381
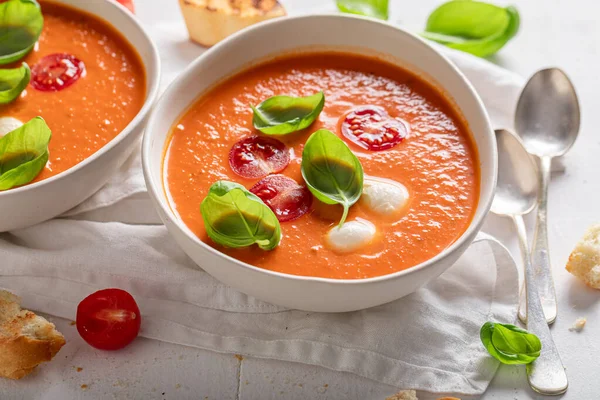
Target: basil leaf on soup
279 115
21 24
510 344
24 153
332 172
370 8
235 217
13 82
472 26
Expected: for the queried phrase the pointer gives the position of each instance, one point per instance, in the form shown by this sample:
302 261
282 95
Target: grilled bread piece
210 21
26 339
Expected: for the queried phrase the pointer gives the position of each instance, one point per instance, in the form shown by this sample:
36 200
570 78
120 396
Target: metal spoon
547 119
516 195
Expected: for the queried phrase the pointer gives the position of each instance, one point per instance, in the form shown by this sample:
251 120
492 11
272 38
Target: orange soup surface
88 114
437 163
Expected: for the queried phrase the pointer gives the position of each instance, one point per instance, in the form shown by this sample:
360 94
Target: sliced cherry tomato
371 128
56 72
284 196
128 4
258 156
108 319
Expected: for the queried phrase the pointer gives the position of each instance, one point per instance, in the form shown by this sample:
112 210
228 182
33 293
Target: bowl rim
157 191
152 83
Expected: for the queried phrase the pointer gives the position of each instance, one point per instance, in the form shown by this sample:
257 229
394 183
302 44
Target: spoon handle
540 257
546 375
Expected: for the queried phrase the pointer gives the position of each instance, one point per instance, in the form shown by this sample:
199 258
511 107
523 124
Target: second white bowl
355 35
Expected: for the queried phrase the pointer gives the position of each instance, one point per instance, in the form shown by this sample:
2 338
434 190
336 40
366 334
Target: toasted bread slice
26 339
584 261
210 21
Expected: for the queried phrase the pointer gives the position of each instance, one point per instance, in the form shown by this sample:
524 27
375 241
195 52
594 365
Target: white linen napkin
426 341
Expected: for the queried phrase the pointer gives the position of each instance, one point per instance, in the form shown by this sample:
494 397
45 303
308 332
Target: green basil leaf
279 115
235 217
332 172
13 82
24 153
472 26
510 344
370 8
21 24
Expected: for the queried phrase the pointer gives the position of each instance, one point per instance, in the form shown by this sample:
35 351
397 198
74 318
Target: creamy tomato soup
436 163
94 108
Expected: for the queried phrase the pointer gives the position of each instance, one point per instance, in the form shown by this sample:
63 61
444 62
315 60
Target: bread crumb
404 395
584 261
72 323
578 325
79 369
84 386
239 357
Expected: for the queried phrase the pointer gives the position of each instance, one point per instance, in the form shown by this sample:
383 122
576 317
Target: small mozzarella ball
8 124
384 196
351 236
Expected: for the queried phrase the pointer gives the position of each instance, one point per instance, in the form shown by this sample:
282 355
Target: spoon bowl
517 194
517 188
548 116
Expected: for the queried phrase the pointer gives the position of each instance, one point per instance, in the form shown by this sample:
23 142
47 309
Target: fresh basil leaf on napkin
472 26
370 8
510 344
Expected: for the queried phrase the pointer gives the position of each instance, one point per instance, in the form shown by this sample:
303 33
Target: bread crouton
584 261
26 340
210 21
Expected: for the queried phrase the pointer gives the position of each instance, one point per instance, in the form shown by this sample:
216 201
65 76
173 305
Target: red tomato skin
94 330
44 75
128 4
257 156
372 128
288 206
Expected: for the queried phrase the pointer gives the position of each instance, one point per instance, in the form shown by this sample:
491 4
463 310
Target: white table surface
554 33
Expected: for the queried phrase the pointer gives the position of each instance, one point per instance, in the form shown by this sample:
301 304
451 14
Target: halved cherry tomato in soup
258 156
284 196
128 4
372 128
56 72
108 319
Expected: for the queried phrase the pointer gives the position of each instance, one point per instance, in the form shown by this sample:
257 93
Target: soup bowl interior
46 199
313 33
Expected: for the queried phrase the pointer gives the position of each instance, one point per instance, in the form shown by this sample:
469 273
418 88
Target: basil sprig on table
13 82
24 153
332 172
510 344
472 26
235 217
21 24
280 115
370 8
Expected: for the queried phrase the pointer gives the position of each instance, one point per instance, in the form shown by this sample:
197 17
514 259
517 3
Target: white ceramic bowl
40 201
355 34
